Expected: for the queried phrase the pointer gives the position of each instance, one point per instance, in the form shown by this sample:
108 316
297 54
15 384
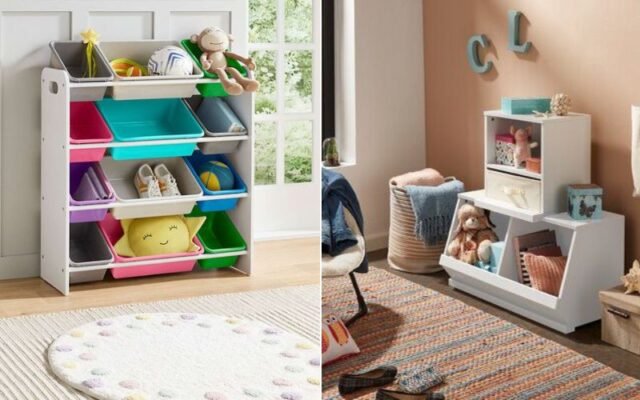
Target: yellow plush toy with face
158 235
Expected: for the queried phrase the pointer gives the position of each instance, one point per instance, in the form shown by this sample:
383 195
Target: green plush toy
158 235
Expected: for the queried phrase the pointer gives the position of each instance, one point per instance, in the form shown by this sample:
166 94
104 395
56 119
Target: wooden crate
621 319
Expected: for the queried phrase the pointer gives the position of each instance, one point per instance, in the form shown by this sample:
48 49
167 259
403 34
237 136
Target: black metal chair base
362 305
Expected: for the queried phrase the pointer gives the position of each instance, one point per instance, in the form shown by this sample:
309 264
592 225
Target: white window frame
292 209
345 81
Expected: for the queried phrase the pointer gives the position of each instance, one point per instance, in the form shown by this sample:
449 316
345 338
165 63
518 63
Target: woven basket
406 252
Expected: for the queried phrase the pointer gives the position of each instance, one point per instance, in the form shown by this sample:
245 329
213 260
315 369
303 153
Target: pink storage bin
87 126
505 137
112 230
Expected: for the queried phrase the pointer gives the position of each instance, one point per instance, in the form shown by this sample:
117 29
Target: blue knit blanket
433 207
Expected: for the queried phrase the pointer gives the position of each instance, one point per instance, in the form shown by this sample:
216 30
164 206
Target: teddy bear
214 44
472 236
523 146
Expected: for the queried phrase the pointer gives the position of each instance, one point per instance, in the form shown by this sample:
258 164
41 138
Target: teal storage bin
584 202
154 119
239 186
497 249
515 105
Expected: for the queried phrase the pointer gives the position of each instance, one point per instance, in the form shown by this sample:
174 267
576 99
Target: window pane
262 21
298 24
298 81
298 151
266 133
266 74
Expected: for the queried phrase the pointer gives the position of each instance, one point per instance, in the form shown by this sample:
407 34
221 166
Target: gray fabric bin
70 57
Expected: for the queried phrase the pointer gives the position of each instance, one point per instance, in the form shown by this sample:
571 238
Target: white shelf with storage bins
523 202
67 225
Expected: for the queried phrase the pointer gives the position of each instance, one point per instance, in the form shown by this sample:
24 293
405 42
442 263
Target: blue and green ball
216 175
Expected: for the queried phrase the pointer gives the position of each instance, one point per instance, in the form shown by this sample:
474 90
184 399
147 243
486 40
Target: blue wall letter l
514 33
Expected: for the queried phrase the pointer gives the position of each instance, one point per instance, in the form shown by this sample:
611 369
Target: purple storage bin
88 188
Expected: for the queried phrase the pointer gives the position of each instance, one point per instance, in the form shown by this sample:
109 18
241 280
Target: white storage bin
522 192
141 51
120 175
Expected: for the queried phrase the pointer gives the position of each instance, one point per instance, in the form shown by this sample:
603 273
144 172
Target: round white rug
187 357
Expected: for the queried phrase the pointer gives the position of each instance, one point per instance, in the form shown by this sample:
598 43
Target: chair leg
362 305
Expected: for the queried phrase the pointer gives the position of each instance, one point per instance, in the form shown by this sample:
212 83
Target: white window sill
343 164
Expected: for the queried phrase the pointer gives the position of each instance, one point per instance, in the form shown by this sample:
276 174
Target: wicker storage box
406 252
621 319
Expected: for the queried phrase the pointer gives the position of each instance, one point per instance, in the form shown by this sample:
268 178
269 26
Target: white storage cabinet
595 249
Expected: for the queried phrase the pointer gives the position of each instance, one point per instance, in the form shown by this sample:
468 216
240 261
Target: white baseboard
17 267
374 241
284 235
377 241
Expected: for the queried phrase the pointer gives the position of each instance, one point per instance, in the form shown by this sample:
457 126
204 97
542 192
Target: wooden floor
277 264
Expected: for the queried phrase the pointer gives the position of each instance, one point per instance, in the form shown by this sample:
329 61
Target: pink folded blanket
424 177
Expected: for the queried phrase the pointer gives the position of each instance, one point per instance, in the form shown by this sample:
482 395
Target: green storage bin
218 235
210 89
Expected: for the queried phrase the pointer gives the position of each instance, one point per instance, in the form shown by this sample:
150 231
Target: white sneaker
146 183
168 184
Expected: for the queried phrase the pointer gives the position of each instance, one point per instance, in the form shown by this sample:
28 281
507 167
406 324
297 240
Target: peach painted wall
589 49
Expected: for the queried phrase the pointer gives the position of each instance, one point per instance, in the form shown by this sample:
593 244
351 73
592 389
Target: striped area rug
481 356
24 373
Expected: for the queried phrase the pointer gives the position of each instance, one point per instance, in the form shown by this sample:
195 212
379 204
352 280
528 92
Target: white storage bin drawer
522 192
120 175
140 51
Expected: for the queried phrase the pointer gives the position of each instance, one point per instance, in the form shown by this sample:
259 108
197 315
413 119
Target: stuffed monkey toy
214 43
523 146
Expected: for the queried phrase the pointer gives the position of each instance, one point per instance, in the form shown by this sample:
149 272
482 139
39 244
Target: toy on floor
170 60
214 44
631 280
158 235
216 175
473 235
523 145
128 68
90 39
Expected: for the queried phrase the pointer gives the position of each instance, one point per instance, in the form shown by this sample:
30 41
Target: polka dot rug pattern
186 357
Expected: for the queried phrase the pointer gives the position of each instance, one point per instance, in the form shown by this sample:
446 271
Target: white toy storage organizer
56 95
523 202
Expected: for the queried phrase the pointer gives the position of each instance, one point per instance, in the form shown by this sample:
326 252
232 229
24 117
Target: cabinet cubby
594 249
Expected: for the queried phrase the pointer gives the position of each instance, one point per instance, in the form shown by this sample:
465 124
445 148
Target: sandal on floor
380 376
385 394
419 379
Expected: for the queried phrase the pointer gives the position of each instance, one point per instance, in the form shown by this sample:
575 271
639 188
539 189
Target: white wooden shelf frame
594 249
55 104
595 261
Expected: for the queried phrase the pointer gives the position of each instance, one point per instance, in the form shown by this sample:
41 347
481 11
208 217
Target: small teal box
497 249
525 105
584 202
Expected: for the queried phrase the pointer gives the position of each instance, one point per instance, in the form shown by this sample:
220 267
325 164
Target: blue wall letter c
472 54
